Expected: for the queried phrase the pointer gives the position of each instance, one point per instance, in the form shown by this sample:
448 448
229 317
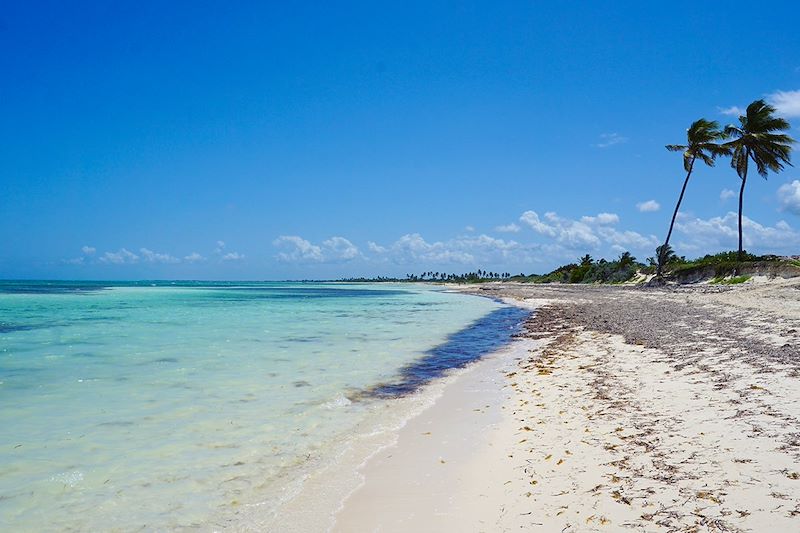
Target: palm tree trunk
674 216
740 255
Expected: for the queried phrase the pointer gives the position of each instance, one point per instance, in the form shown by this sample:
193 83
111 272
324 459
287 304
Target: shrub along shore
724 267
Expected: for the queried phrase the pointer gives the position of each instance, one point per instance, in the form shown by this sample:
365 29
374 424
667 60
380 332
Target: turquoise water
128 406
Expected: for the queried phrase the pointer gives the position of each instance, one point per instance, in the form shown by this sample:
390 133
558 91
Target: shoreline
311 502
656 410
212 414
409 485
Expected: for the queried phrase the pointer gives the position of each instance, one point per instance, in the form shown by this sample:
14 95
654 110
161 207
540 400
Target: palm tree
756 138
701 138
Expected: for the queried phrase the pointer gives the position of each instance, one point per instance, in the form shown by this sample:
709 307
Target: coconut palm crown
757 138
701 143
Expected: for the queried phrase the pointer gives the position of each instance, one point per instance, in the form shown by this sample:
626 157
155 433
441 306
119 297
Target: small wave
339 401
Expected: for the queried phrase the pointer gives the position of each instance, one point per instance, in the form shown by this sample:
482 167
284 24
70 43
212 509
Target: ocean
164 406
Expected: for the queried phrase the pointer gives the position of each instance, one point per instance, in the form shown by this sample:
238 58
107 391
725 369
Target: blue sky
271 141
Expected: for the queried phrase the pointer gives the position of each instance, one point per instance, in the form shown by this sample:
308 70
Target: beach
670 409
404 407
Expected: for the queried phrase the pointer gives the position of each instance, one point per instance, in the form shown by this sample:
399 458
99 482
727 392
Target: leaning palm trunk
701 144
740 255
664 248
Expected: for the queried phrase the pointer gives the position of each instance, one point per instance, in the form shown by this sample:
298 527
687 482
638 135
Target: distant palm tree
626 260
756 138
701 143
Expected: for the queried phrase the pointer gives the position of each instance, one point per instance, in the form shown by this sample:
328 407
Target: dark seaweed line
470 344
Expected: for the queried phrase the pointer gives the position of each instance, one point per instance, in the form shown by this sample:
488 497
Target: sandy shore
619 409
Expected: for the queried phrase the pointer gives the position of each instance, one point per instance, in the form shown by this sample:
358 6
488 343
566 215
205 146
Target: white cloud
508 228
469 228
296 249
376 248
566 231
219 250
413 249
233 256
789 197
88 250
531 218
721 233
74 261
601 218
121 257
592 232
340 248
194 257
733 111
610 139
154 257
627 239
649 206
726 194
786 103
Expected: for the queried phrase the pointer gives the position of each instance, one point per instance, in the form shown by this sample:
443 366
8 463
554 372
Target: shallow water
129 406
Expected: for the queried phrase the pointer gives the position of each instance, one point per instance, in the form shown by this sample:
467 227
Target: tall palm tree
701 143
757 138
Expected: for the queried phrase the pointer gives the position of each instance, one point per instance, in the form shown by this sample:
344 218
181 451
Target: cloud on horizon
298 250
121 257
232 256
413 249
155 257
589 231
508 228
546 239
721 233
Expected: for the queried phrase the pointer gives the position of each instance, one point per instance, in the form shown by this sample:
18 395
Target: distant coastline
725 267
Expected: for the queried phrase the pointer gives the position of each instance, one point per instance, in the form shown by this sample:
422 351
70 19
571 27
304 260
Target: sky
238 140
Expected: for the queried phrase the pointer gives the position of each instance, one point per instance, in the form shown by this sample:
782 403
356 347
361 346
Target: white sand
579 431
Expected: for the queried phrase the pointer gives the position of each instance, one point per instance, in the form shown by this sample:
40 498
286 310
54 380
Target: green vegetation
587 270
730 281
479 276
723 268
723 263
